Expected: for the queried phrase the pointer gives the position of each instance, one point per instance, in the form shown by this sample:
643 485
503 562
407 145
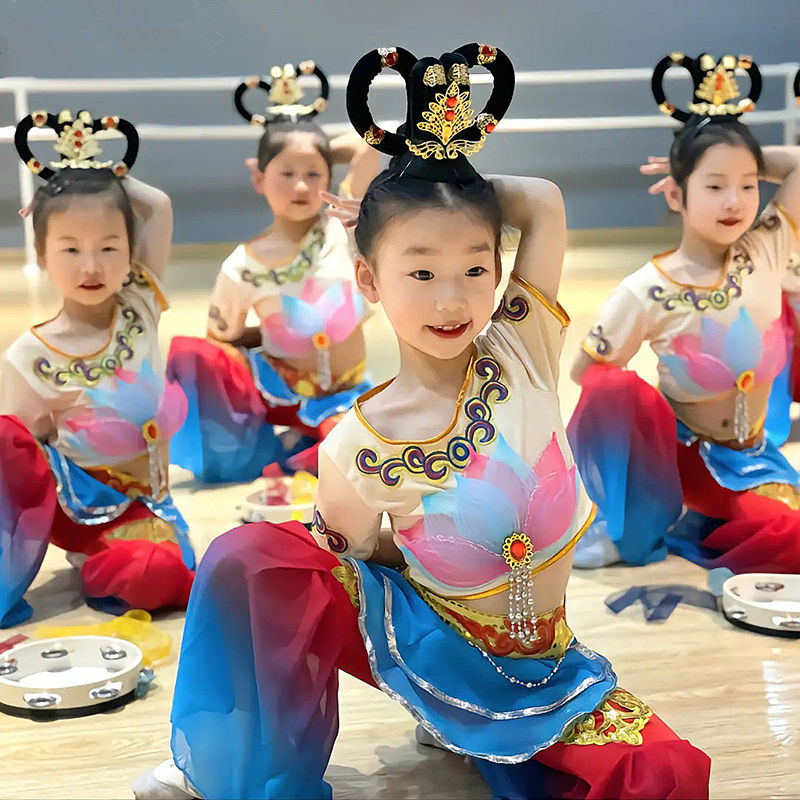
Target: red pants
276 622
139 573
623 434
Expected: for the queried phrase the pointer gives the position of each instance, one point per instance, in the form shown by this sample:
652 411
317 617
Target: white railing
22 88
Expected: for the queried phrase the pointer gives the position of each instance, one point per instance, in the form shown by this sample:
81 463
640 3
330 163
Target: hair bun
441 129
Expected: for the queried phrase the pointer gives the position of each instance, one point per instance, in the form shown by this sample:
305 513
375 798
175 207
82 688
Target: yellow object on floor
134 626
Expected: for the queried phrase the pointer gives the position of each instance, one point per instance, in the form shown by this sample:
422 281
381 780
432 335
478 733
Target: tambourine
72 676
278 500
763 602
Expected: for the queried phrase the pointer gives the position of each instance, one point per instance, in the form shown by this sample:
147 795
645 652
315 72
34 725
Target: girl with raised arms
712 312
87 415
457 611
303 365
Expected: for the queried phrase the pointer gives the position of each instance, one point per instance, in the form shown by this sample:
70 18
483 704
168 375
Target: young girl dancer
466 452
304 364
84 440
712 312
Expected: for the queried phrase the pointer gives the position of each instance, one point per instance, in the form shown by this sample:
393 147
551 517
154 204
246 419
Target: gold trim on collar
63 353
459 402
725 269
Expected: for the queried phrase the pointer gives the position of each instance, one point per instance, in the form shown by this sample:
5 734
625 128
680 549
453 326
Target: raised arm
152 209
782 165
535 207
363 161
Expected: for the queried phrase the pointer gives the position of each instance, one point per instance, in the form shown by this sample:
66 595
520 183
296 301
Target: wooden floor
734 694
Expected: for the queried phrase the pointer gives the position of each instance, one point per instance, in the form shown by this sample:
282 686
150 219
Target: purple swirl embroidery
436 466
89 373
336 542
703 300
515 310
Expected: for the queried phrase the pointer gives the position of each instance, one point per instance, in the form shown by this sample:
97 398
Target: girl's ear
256 175
365 280
674 196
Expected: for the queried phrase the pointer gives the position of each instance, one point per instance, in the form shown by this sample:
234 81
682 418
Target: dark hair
393 193
69 183
276 134
699 135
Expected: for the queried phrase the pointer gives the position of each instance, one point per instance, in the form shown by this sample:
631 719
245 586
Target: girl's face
720 202
435 273
85 250
293 179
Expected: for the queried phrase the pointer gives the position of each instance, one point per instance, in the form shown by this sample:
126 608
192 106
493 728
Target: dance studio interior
346 346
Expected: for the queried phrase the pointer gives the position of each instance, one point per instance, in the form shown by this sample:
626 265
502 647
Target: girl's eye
70 250
314 175
714 188
286 174
109 249
476 272
750 186
422 275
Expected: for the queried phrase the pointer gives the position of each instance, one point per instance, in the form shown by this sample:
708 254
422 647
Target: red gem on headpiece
518 550
152 430
78 134
40 118
451 102
37 164
486 51
719 81
490 127
448 115
390 58
120 169
109 122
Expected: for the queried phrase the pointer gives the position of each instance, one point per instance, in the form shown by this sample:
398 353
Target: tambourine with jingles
71 676
763 602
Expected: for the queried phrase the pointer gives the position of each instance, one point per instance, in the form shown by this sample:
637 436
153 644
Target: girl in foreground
304 364
87 416
712 312
459 613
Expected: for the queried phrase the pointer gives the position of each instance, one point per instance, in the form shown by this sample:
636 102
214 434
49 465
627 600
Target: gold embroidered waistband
755 436
123 482
491 632
308 384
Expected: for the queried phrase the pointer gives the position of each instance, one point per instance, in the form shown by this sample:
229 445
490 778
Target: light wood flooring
733 693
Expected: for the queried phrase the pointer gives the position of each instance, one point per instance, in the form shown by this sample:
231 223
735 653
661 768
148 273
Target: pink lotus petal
457 562
172 409
774 352
284 339
123 438
686 345
126 375
503 476
710 373
712 337
551 460
433 525
312 291
342 322
551 509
